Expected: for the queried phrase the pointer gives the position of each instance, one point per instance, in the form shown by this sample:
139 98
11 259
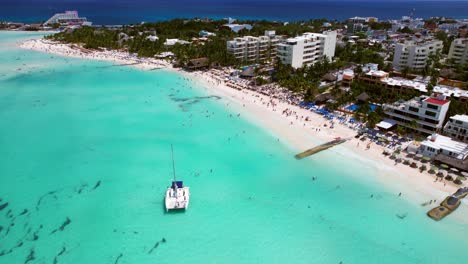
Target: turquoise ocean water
85 160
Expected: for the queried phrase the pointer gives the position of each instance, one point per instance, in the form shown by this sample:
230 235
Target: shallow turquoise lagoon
85 160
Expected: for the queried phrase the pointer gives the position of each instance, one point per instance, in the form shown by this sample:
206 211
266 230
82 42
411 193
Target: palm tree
413 124
405 71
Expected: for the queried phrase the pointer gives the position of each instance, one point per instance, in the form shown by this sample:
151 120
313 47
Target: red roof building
436 101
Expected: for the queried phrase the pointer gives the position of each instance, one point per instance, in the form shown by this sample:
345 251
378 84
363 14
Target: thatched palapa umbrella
449 177
458 180
423 168
433 170
441 173
398 159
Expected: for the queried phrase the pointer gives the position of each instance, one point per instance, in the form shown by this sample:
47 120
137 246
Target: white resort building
441 145
459 51
457 127
423 114
67 19
307 49
254 49
414 55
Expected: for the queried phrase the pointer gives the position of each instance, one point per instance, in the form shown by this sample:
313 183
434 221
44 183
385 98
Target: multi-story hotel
457 127
307 49
459 51
423 114
254 49
67 18
414 55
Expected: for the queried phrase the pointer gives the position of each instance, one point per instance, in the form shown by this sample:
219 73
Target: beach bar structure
199 63
446 150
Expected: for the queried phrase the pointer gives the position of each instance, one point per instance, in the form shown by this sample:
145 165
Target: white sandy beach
292 129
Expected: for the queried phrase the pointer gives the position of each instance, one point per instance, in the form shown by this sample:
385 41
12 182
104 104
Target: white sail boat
177 195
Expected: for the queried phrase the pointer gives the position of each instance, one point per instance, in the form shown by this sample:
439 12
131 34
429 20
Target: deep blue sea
135 11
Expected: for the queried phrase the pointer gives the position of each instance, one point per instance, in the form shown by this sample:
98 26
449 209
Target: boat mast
173 163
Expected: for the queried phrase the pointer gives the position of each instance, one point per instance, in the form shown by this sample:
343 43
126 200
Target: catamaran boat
177 195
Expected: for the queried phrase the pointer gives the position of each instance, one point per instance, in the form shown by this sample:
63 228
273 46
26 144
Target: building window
414 109
432 106
430 149
429 113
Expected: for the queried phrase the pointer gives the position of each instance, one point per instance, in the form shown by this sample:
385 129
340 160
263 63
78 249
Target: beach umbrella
444 166
449 177
426 159
418 156
414 165
433 170
393 156
398 159
441 173
406 162
423 167
411 153
454 170
464 174
457 181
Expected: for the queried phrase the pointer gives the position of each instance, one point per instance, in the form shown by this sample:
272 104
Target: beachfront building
457 127
446 150
69 18
238 27
255 49
307 49
152 38
423 114
453 92
414 55
172 42
398 84
206 34
459 51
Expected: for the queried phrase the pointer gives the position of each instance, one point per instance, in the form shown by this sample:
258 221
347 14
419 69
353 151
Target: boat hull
177 199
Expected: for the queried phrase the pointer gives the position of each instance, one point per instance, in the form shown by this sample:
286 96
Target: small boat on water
322 147
177 195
